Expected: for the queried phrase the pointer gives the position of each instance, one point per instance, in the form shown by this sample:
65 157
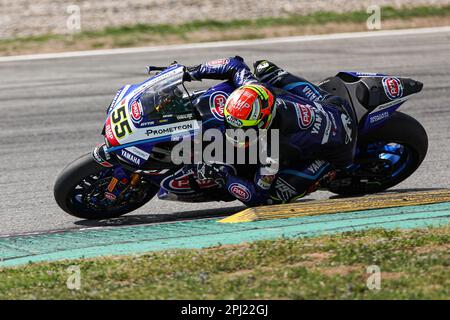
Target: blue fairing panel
363 74
375 119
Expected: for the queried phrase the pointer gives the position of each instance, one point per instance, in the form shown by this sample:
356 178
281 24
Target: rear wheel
80 191
385 157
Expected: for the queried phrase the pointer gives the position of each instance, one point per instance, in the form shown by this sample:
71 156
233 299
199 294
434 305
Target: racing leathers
317 133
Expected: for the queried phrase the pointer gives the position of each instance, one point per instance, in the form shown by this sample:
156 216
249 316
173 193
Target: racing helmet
250 106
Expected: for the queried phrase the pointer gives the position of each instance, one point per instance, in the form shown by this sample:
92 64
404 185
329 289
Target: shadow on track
128 220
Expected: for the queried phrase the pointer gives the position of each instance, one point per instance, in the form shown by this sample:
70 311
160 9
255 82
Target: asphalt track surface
52 111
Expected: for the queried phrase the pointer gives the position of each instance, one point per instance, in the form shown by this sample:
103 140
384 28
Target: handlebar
154 68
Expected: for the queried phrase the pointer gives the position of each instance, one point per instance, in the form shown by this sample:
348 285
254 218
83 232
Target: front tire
400 129
76 173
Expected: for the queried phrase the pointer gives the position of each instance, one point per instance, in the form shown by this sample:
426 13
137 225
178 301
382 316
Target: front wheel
385 157
80 191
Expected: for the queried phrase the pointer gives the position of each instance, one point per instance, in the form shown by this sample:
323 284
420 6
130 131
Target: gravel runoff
35 17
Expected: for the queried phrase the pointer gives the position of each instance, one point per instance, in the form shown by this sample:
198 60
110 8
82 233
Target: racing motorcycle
134 164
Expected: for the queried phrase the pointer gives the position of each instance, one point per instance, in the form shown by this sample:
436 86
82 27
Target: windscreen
165 96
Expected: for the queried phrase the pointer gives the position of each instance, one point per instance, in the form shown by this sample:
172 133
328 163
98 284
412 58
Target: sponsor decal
120 124
136 111
119 94
105 153
319 114
240 191
346 123
319 120
217 103
169 129
146 124
314 167
379 117
333 121
234 122
218 62
110 196
241 105
273 76
326 134
179 182
391 104
392 87
264 182
130 157
284 190
187 116
155 172
367 74
98 158
311 94
364 74
345 182
138 152
113 102
317 124
109 134
305 115
112 184
263 65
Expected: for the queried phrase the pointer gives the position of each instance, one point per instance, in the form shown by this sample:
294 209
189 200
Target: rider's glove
216 172
187 76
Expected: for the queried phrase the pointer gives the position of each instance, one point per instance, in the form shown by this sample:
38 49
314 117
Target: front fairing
128 126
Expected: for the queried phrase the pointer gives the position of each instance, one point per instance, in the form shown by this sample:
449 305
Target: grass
210 30
414 264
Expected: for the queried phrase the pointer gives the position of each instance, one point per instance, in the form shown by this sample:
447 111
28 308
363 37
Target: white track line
223 44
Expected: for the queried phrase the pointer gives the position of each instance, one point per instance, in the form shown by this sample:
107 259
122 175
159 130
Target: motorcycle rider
317 130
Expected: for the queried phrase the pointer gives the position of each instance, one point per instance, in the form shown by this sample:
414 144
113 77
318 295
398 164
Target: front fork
121 180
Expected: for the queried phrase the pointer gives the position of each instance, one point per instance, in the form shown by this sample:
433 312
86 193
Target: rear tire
71 176
399 128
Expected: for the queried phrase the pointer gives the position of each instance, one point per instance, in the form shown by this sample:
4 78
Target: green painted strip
205 233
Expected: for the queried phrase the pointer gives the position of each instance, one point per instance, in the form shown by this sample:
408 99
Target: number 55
122 127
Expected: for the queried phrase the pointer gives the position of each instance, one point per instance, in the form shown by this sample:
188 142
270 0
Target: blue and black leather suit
317 131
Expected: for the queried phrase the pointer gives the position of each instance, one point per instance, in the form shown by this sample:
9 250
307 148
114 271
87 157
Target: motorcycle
142 128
